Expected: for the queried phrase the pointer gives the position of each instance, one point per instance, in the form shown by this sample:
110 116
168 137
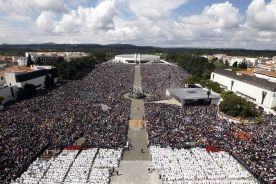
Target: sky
248 24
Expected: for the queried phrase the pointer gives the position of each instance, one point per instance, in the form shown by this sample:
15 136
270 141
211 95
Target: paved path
136 161
133 172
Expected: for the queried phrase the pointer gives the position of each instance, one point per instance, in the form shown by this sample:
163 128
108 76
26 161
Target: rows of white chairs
81 166
108 158
34 173
230 181
230 165
60 166
196 165
91 166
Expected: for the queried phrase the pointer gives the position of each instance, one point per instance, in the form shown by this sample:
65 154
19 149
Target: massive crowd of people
156 78
92 108
171 125
180 127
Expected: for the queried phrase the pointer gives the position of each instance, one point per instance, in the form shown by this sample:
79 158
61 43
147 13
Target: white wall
271 79
36 82
22 62
11 81
236 59
247 89
7 94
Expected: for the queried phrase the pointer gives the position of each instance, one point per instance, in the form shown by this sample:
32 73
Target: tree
49 82
193 79
28 91
235 64
243 65
1 99
214 86
224 94
39 61
226 63
29 61
237 106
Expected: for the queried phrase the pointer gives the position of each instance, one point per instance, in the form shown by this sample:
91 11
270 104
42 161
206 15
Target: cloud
57 6
221 15
45 21
262 15
90 19
31 7
141 22
154 9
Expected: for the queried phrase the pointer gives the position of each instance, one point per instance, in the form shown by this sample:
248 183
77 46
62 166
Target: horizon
118 44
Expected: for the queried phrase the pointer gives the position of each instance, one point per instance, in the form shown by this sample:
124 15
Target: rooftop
266 72
246 72
192 93
255 81
19 69
132 56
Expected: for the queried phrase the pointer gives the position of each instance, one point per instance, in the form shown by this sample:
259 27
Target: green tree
243 65
214 86
193 79
49 82
235 64
227 63
28 91
237 106
39 61
29 61
1 99
224 94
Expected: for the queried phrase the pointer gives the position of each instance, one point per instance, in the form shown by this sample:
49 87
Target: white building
262 92
45 56
35 77
21 61
266 74
136 58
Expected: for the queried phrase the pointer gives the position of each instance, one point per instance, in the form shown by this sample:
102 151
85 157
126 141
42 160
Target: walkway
136 161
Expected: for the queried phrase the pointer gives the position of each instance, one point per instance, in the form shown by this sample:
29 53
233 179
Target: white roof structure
136 58
184 95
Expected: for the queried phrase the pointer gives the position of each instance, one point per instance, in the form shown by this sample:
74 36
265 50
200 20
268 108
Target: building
52 56
9 93
264 74
136 58
252 62
187 96
17 77
21 61
34 75
260 91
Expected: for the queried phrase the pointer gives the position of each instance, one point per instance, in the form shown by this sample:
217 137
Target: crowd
156 78
92 108
181 127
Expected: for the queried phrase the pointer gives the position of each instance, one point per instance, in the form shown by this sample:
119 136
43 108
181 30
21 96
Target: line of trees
236 106
74 69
